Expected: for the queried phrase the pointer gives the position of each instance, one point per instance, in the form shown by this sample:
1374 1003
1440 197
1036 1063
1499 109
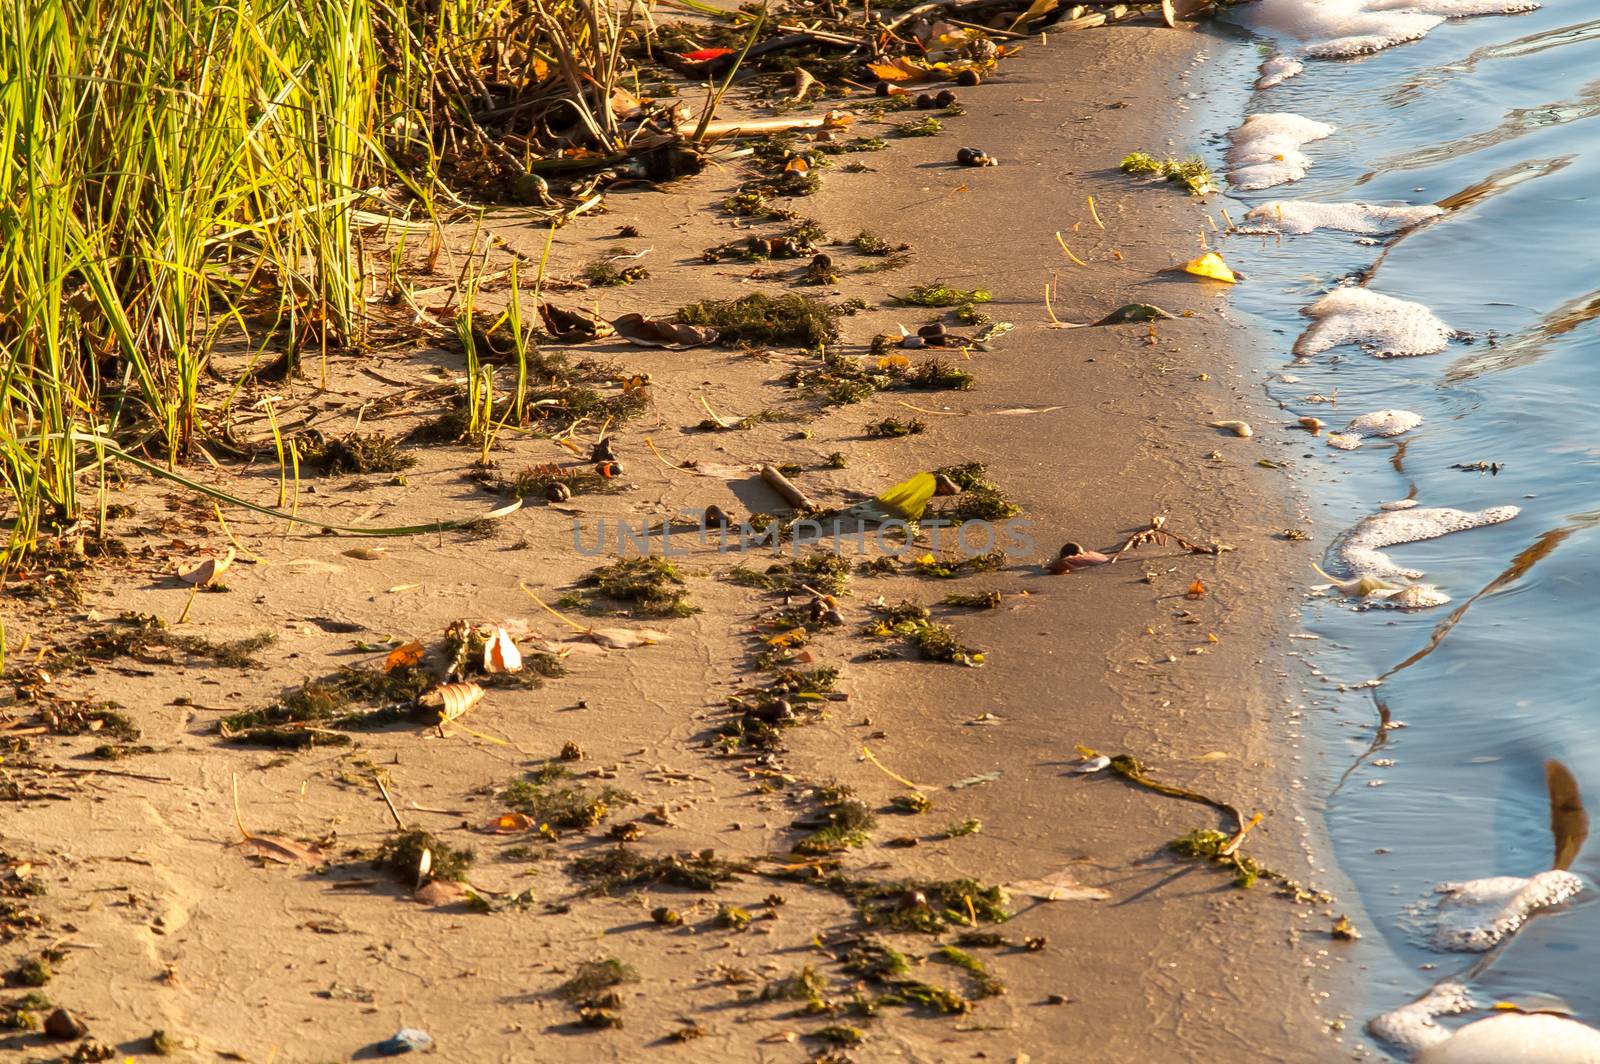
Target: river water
1490 116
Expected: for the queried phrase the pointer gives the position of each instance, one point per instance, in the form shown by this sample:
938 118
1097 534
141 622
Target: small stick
784 487
377 778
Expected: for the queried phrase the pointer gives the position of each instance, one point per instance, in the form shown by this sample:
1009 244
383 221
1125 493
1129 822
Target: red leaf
705 55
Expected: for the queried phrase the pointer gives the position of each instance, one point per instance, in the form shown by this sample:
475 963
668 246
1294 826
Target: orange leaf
405 657
1196 589
509 824
706 55
796 165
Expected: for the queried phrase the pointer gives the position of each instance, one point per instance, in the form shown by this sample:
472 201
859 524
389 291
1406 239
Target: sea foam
1372 219
1384 326
1384 423
1339 29
1266 149
1359 550
1474 916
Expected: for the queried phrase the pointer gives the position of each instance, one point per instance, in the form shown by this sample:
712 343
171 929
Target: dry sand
163 922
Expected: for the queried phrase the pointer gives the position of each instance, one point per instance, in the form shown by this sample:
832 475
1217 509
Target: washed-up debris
1158 533
1238 428
1492 468
205 572
975 157
1210 266
574 324
661 332
1131 313
1358 550
405 1040
1073 557
1190 173
1313 425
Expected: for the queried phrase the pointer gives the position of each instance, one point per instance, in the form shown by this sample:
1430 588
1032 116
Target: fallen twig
1157 532
785 488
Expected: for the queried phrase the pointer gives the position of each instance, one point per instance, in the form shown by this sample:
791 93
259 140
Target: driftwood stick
785 487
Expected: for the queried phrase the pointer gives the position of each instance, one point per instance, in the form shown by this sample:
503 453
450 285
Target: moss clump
875 961
844 825
972 600
921 127
837 460
733 918
960 828
939 294
911 804
916 993
568 807
807 984
31 971
24 1013
839 1034
610 273
764 319
893 427
401 857
653 585
1191 172
936 373
593 978
988 985
621 870
358 453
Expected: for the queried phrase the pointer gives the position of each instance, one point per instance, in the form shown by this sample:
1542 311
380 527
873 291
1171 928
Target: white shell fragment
1384 423
1360 549
1297 217
1474 916
1091 765
1384 326
1238 428
1266 149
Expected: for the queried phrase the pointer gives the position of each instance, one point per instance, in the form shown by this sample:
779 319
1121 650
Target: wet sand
164 924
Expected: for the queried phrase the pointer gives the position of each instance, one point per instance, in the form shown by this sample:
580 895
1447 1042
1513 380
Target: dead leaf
281 850
509 824
500 653
623 638
1058 887
404 657
207 571
574 324
1196 590
662 332
453 699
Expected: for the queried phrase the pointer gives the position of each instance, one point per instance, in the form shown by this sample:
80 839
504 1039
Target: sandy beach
160 914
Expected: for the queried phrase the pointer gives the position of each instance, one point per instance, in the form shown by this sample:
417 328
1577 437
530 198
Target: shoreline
1212 964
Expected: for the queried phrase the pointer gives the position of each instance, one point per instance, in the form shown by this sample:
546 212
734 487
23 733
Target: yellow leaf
901 69
910 497
1210 265
894 362
793 637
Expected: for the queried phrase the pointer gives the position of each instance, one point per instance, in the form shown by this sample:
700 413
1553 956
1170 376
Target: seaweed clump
893 427
764 319
981 499
653 586
939 294
358 453
844 824
565 806
1191 172
403 856
622 870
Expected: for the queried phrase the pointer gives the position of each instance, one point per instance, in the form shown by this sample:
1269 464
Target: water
1493 117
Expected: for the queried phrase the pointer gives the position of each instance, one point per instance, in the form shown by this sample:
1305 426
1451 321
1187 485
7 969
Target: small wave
1266 149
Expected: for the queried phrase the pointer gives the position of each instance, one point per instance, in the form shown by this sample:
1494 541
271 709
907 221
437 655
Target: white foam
1384 326
1415 597
1474 916
1344 442
1384 423
1359 550
1266 149
1412 1028
1301 216
1278 69
1526 1037
1338 29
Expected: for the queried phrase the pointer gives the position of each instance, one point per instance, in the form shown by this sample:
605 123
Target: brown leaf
624 638
1058 887
662 332
575 324
281 850
1196 590
207 571
404 657
453 699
